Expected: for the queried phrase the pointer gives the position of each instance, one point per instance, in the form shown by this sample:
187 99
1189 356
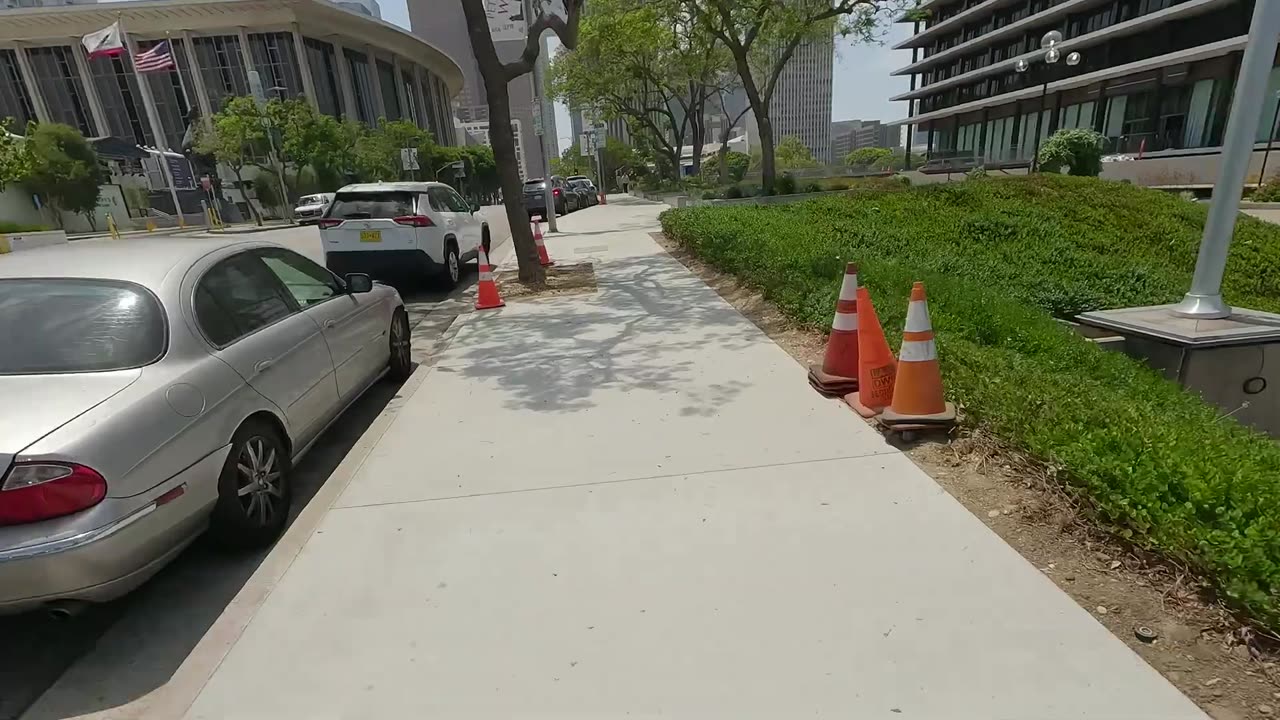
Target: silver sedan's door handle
263 366
330 324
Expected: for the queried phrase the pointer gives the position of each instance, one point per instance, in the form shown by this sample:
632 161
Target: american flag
156 59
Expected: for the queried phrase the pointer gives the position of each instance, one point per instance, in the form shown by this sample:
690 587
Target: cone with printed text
876 366
837 376
487 294
918 400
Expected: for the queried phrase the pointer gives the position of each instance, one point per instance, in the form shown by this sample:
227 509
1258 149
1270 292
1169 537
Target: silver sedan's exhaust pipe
65 609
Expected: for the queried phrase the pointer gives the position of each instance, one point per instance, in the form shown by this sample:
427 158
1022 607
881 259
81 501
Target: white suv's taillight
414 221
329 222
37 491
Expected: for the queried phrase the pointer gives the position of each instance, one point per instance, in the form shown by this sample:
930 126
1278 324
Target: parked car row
568 195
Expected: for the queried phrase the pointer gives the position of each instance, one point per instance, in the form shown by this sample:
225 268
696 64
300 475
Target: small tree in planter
1079 151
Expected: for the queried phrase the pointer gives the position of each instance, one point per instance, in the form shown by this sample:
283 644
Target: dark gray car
535 201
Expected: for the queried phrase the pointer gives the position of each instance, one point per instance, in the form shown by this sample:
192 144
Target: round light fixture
1051 38
1073 59
1022 65
1052 56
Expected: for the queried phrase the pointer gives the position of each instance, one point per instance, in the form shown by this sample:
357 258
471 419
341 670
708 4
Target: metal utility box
1233 363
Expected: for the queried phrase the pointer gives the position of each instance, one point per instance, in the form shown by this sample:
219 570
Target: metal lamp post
1204 300
1049 43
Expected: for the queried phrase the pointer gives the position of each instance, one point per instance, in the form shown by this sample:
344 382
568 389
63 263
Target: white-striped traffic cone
838 374
917 392
487 295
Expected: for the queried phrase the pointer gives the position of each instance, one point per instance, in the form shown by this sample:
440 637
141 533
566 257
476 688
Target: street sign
459 169
537 120
255 88
584 143
409 158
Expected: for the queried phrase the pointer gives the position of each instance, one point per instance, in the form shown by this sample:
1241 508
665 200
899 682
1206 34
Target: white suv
401 231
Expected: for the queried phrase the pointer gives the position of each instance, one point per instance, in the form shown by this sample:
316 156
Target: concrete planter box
13 242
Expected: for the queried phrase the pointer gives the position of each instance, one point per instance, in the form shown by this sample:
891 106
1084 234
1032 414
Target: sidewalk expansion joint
886 452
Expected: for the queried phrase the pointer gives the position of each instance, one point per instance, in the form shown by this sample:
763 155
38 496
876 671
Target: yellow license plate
370 236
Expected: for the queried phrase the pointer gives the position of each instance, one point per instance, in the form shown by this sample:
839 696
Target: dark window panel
15 101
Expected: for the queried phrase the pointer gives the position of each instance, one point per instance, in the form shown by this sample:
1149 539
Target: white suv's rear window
369 205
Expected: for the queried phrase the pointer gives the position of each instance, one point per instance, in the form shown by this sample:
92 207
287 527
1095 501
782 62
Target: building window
15 101
324 75
274 58
362 86
222 68
59 81
121 100
411 112
172 103
387 84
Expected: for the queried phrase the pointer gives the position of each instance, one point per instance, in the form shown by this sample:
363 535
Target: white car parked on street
402 231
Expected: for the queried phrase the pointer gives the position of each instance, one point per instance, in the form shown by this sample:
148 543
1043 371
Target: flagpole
153 118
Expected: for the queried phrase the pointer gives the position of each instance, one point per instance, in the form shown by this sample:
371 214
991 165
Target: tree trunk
767 163
722 155
759 108
697 127
253 211
503 142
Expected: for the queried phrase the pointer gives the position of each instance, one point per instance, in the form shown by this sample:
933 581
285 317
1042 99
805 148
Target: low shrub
1000 259
1268 191
710 195
784 184
734 192
811 187
13 227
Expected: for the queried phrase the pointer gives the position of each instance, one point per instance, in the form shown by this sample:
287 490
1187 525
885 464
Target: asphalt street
155 628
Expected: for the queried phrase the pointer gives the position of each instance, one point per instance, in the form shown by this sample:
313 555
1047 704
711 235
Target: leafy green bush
1079 150
977 173
1268 191
734 192
785 184
1000 259
811 187
710 195
13 227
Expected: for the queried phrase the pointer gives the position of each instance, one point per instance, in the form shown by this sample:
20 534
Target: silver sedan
154 388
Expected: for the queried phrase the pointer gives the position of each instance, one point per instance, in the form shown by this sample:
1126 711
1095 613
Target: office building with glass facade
1155 78
345 64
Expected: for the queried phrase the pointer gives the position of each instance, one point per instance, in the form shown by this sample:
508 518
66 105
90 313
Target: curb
175 698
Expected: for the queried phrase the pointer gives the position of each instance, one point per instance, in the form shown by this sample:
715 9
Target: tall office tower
442 23
801 105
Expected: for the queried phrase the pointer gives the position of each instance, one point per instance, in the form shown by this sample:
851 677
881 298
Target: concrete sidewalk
630 504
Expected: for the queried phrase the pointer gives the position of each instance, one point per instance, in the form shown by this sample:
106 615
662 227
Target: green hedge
12 227
1000 258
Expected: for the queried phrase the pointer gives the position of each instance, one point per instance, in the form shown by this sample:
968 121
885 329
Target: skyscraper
442 23
801 104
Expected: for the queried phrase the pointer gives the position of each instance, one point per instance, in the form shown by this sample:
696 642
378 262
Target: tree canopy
870 157
647 62
61 167
762 36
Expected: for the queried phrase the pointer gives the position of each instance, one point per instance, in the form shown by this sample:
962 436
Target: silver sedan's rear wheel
253 490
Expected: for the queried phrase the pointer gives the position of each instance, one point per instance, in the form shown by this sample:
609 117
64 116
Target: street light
1049 43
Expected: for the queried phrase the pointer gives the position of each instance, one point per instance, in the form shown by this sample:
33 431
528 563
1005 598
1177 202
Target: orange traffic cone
876 366
917 396
537 227
604 200
837 376
543 258
487 297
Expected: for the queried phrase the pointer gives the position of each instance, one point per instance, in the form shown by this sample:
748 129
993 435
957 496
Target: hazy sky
861 88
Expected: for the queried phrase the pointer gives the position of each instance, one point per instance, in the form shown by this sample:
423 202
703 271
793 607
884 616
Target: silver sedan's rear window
64 325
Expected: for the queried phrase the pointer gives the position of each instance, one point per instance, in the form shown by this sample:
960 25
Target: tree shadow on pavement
644 331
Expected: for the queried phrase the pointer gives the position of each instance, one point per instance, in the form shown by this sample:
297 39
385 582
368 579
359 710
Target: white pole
1204 299
153 118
